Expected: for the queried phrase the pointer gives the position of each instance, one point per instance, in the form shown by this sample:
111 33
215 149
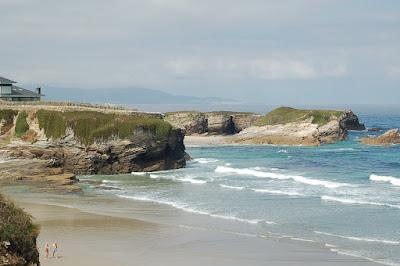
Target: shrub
7 115
284 115
90 126
21 126
17 228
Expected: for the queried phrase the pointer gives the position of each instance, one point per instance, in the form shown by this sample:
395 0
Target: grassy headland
284 115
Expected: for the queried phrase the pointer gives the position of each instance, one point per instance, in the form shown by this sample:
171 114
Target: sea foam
364 239
231 187
185 179
205 160
358 202
389 179
262 174
277 192
186 208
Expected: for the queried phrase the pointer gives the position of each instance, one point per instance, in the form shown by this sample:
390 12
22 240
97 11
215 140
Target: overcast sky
277 52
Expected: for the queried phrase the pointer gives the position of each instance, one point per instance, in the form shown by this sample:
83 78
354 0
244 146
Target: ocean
344 196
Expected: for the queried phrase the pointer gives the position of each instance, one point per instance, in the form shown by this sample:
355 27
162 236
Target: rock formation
57 145
289 126
213 123
388 138
350 121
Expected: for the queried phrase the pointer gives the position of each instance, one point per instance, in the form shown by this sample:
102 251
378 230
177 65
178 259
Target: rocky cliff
212 123
289 126
61 144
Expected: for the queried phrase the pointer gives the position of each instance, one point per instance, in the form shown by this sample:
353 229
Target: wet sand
91 239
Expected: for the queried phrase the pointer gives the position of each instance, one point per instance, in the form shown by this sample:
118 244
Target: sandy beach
91 239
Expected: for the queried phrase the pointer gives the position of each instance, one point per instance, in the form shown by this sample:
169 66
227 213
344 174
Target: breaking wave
231 187
183 207
364 239
277 192
297 178
388 179
205 160
174 178
358 202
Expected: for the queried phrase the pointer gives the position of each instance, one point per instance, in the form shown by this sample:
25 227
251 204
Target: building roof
6 81
18 92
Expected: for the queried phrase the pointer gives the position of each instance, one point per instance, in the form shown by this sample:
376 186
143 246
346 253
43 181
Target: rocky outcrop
189 122
56 146
350 121
390 137
213 123
289 126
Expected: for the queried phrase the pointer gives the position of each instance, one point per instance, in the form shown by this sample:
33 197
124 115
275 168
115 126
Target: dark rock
349 121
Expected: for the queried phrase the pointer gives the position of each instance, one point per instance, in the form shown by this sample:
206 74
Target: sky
264 51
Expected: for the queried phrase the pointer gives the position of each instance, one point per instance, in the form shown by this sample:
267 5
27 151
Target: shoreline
96 239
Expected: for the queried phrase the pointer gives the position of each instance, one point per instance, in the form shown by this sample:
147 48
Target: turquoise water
345 196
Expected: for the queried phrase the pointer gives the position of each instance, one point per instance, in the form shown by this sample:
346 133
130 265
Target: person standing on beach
46 250
55 249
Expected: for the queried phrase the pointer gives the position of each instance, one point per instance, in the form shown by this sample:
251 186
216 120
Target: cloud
260 68
192 47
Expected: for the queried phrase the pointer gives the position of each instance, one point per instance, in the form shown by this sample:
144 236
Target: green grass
284 115
90 126
21 126
7 116
17 228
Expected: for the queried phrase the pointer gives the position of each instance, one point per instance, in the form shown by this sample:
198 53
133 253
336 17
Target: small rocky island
391 137
282 126
50 144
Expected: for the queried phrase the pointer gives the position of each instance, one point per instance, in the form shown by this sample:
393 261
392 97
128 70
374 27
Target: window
5 89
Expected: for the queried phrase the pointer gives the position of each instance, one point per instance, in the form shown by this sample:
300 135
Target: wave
174 178
389 179
277 192
231 187
297 178
283 151
106 181
338 149
363 239
183 207
139 173
358 202
108 187
205 160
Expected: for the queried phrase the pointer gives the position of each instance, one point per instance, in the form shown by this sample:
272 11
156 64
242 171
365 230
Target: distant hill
124 96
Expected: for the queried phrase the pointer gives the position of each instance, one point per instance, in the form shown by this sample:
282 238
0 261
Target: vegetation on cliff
19 234
21 126
284 115
7 117
90 126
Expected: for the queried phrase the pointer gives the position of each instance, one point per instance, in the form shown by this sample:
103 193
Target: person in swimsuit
46 250
55 249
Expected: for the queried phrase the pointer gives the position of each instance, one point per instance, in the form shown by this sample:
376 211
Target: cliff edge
55 145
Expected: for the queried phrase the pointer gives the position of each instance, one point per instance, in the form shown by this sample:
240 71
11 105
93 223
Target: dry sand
91 239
